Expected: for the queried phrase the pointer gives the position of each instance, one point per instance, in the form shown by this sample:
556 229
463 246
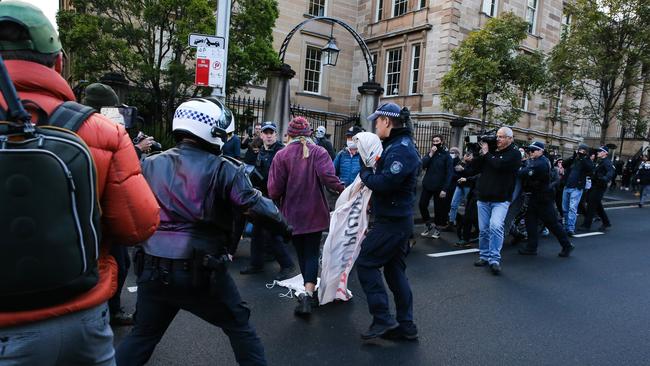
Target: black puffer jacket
199 194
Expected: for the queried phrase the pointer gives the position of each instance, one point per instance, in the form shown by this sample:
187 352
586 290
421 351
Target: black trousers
441 206
121 255
544 211
595 207
162 292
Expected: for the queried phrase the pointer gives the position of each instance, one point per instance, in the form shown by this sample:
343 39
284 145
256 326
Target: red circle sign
216 65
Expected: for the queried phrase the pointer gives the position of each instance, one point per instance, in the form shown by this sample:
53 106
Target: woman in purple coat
296 179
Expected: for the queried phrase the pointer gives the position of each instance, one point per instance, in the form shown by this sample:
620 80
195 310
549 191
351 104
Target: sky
49 8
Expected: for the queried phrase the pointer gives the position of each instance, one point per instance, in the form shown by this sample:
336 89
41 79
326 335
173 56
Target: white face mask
453 156
351 145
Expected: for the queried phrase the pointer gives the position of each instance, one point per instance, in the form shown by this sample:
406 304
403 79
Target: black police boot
377 330
408 332
495 268
566 251
304 306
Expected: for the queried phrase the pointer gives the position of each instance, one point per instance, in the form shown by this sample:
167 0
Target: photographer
536 176
576 170
436 183
184 264
603 174
498 163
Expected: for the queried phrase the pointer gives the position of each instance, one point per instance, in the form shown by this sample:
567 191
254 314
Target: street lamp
330 53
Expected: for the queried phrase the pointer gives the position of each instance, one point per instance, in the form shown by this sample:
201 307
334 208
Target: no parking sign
209 66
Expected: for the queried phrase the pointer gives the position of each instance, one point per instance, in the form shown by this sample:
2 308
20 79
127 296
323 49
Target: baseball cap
386 109
43 38
269 125
604 149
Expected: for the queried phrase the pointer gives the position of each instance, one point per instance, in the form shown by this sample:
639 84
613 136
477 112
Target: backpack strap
70 115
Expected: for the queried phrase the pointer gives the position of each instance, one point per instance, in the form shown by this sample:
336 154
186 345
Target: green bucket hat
42 35
100 95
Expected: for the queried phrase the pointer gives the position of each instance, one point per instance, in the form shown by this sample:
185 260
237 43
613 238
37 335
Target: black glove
365 172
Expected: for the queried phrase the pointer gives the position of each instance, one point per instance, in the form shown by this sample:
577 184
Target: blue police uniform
393 188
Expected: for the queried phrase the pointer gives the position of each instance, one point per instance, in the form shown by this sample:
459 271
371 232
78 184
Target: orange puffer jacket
129 208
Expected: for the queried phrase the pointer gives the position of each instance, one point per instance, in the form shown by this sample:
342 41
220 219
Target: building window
312 70
380 9
523 102
566 24
531 11
393 70
415 69
423 4
317 8
399 7
490 7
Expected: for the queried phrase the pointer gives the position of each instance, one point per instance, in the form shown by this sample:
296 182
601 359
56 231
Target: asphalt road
590 309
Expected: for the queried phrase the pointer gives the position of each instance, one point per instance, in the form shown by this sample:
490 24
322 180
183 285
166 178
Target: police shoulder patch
396 167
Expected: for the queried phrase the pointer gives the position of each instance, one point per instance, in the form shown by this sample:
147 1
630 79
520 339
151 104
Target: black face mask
438 146
581 154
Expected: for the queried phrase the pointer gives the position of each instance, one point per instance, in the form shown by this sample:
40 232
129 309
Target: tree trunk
604 125
484 114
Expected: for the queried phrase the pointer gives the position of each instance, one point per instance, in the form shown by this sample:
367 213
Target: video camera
489 137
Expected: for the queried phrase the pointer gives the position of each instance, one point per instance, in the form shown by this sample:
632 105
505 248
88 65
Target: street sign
210 66
196 40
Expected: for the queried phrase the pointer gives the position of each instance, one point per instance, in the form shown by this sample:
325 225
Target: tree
146 41
599 60
488 71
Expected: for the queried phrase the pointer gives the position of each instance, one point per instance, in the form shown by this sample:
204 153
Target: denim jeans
491 217
643 191
570 201
81 338
459 194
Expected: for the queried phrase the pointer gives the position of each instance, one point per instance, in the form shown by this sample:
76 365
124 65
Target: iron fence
247 111
335 124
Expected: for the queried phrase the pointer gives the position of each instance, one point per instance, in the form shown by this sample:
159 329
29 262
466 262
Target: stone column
277 98
457 126
370 92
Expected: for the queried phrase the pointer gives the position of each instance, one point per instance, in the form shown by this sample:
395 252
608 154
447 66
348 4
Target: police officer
387 243
536 176
183 265
603 174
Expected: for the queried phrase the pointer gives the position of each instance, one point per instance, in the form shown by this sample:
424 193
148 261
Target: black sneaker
495 268
480 263
285 273
566 251
377 330
304 306
251 270
409 333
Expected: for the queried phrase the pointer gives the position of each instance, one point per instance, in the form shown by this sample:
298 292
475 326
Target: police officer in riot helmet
386 245
536 176
184 264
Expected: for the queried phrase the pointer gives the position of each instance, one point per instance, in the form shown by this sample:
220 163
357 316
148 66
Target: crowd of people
186 208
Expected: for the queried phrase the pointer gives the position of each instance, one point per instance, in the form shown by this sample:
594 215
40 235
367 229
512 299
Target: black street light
330 53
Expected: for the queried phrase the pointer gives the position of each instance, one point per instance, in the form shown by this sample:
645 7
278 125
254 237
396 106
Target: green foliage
489 74
146 41
601 57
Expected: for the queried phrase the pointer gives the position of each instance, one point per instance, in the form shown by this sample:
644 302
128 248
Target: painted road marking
621 207
588 234
454 252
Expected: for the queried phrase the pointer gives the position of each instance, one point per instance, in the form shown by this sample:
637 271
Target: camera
489 137
124 115
155 145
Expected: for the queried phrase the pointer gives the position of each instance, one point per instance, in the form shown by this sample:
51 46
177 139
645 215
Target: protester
74 331
577 168
251 134
347 163
322 141
393 184
297 175
559 167
603 174
436 183
498 166
184 264
461 170
261 237
643 179
536 175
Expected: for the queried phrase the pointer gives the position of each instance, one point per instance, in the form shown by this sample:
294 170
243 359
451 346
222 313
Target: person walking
576 170
643 179
498 166
436 183
393 184
602 176
462 170
536 176
296 179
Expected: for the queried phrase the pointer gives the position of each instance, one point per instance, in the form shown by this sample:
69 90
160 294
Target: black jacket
263 164
498 174
536 175
327 145
439 171
603 173
199 194
576 170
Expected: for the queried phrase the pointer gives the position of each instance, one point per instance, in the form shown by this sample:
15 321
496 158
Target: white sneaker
435 233
427 231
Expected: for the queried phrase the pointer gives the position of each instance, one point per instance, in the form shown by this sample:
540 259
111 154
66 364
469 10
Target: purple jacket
296 184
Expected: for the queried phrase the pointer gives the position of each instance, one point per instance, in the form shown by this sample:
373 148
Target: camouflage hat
43 38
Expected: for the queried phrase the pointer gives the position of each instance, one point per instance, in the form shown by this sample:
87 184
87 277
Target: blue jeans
570 200
81 338
645 188
491 217
459 194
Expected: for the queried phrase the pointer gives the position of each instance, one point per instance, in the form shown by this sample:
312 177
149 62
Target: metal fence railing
247 111
335 123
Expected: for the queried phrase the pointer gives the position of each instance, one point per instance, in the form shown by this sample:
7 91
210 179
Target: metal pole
223 30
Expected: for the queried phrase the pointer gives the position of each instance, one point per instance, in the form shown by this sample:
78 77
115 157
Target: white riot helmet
205 118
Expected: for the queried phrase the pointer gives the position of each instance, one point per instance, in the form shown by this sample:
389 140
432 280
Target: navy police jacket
536 174
393 183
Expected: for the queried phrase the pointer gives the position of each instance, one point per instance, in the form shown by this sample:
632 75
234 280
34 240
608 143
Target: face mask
453 156
351 145
437 146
